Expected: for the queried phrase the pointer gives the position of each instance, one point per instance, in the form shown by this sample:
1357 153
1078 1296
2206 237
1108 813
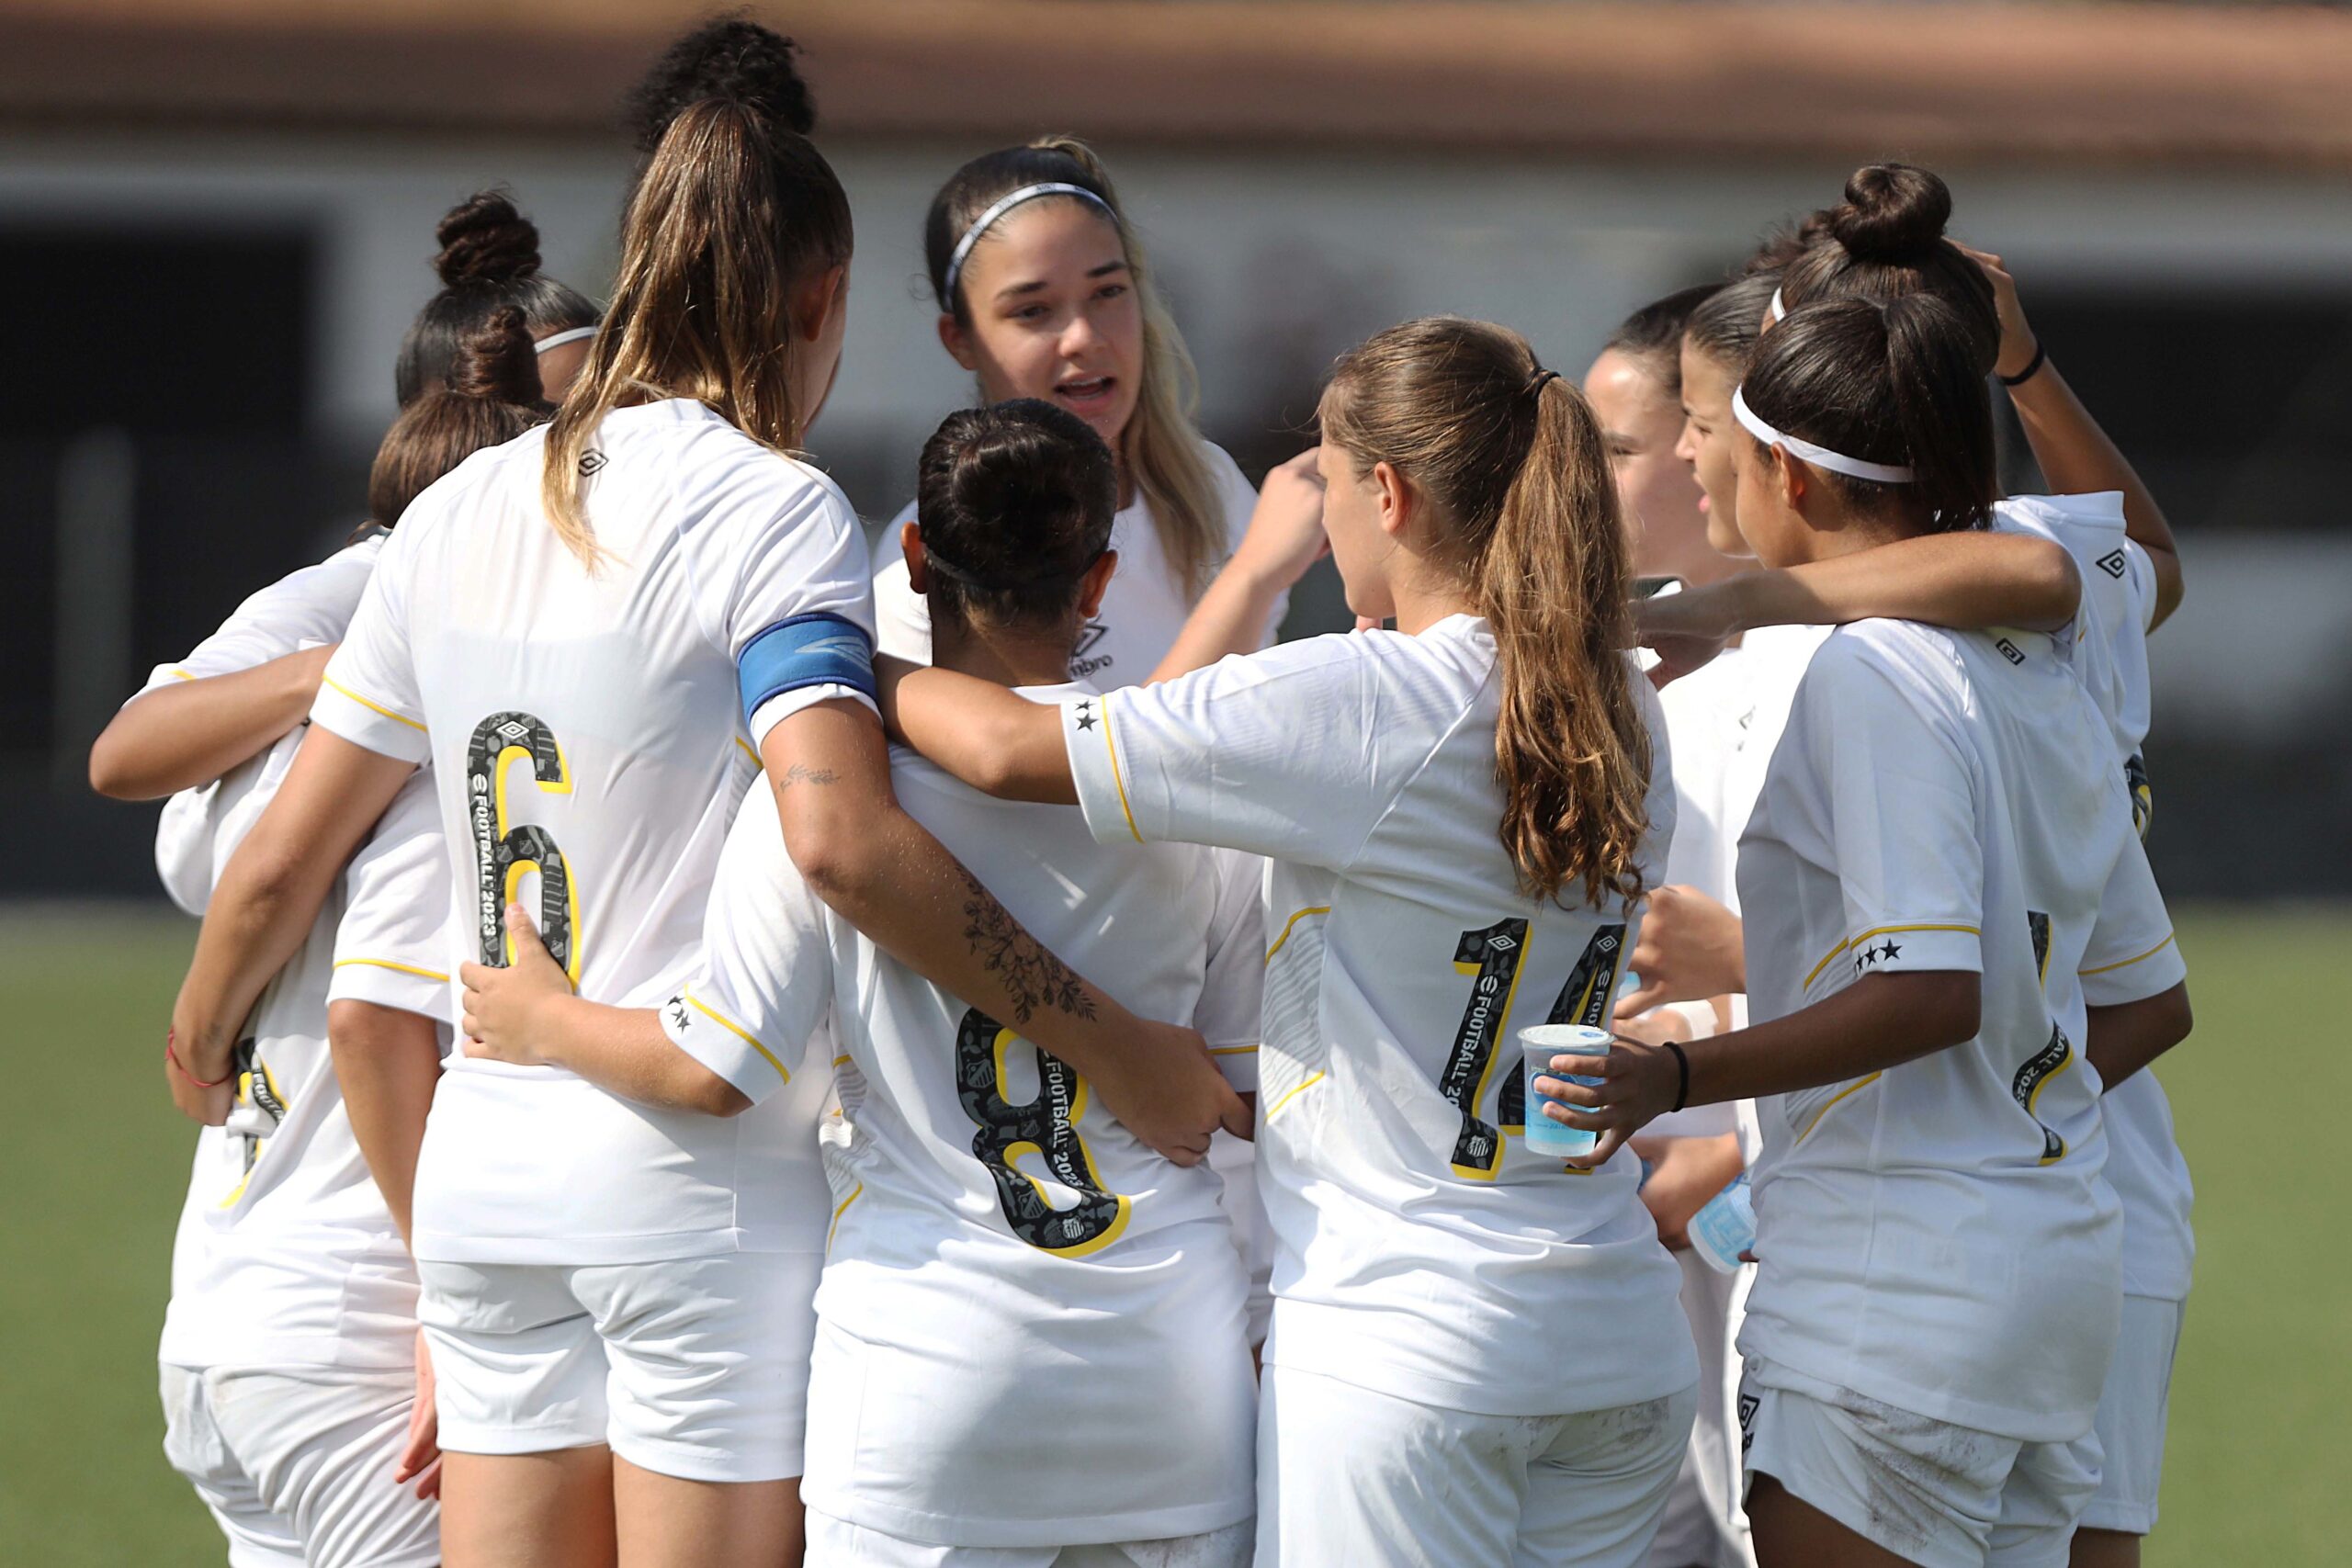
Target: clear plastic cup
1725 1227
1538 1044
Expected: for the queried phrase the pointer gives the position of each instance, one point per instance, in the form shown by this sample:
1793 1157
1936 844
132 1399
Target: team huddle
720 1046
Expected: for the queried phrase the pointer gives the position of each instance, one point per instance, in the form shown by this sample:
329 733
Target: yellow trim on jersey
1881 931
379 707
387 964
1233 1050
181 673
1275 1109
1117 782
1854 1088
738 1031
1310 909
840 1209
839 1059
2126 964
748 752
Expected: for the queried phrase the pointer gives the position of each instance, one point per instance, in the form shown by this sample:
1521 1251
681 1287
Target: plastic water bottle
1725 1227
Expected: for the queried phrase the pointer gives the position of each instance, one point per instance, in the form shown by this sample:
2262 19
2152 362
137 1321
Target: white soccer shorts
837 1543
297 1463
1704 1526
1929 1492
2132 1408
695 1367
1346 1476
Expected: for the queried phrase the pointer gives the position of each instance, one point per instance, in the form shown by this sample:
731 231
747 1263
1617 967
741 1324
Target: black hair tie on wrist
1683 1071
2032 369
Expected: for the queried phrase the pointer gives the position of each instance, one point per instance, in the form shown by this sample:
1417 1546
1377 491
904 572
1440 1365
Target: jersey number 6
503 853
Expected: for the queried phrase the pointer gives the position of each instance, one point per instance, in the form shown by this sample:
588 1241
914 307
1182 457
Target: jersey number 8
1046 1127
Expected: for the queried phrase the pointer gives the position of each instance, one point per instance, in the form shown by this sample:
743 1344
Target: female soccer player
1944 894
1015 1287
575 628
292 1392
1456 811
1885 240
1045 292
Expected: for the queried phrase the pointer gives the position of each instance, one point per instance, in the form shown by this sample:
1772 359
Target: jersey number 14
1492 957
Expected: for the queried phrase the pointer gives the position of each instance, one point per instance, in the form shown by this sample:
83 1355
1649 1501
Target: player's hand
2017 342
1637 1086
1168 1092
1685 1175
185 1062
1286 533
504 1007
1691 948
1686 630
421 1460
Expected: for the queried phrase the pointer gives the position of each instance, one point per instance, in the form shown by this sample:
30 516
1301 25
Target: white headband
1779 310
1003 205
556 340
1820 457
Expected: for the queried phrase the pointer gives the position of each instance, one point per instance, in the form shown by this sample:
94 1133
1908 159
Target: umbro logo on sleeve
2009 650
2113 563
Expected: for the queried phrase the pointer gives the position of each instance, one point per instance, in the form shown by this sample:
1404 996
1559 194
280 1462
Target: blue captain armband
807 651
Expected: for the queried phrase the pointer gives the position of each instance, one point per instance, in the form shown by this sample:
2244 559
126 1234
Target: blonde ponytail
729 215
1513 463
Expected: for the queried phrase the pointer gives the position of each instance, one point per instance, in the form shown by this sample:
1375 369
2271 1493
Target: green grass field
2261 1452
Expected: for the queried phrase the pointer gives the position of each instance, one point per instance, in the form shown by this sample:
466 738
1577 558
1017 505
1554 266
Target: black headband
934 561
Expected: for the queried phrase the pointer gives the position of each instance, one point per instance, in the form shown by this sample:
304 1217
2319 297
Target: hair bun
497 362
1892 212
733 57
485 240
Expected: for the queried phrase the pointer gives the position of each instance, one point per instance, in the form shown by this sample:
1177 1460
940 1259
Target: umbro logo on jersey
1093 632
2009 650
511 730
1748 1405
589 461
2113 563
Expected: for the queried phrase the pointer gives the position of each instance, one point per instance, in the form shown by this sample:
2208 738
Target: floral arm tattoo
1033 977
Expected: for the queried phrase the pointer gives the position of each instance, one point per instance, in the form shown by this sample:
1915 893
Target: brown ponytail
731 213
1160 452
491 397
1514 464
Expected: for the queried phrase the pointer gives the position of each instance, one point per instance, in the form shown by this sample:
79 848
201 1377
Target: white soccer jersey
1421 1249
2144 1160
1938 1236
287 1253
1142 611
1017 1289
584 732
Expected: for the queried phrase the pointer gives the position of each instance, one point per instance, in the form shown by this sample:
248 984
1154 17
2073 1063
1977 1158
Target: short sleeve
1899 787
306 608
396 942
2139 580
777 544
1280 753
369 694
2131 954
901 619
1234 989
762 982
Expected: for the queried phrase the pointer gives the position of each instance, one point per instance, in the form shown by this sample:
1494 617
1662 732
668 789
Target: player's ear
917 568
956 341
1096 584
1788 475
1395 500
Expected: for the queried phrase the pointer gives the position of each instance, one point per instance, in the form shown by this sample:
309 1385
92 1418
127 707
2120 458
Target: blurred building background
216 217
